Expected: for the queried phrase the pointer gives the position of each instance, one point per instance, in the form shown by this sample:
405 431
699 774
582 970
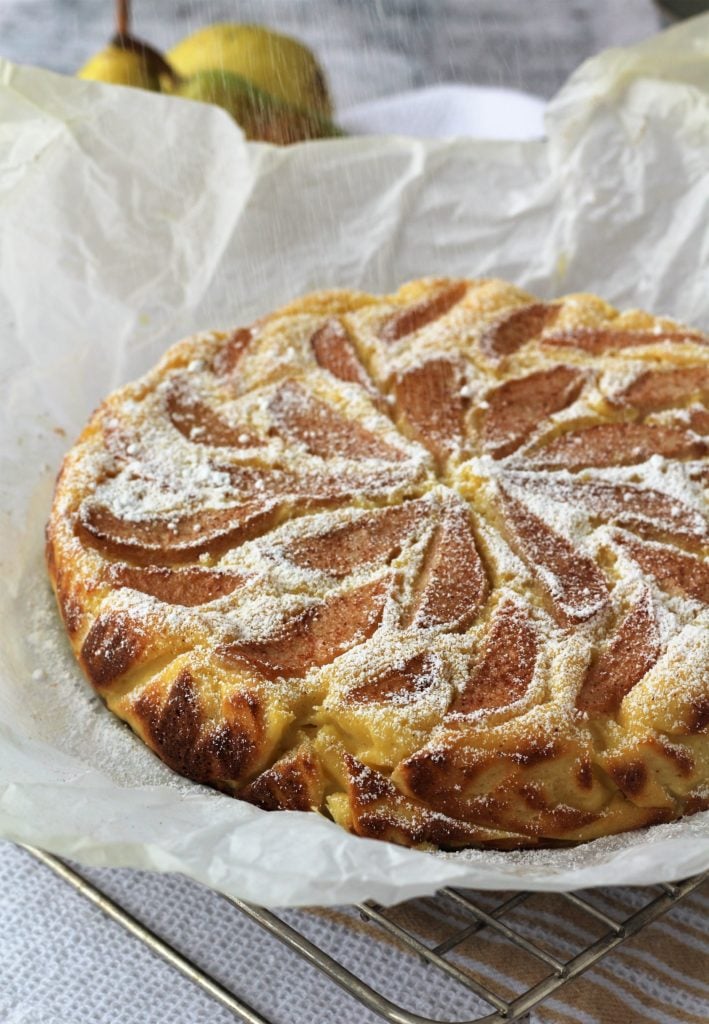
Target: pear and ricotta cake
433 564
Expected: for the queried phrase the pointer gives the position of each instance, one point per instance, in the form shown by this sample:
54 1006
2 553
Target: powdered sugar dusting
388 573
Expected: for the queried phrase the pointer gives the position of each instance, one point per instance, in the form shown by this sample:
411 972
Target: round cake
432 564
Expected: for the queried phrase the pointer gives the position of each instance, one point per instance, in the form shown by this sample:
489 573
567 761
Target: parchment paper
128 220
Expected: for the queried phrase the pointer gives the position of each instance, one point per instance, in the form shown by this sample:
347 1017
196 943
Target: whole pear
261 116
275 63
121 67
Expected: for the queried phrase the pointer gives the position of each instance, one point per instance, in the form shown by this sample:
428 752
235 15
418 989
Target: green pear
121 67
275 63
261 116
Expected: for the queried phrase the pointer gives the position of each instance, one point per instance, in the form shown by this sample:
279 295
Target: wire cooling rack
468 917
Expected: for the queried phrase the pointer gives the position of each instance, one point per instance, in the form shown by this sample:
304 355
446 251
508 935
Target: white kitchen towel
448 111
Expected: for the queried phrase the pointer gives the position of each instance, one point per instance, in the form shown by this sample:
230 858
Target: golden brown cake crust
434 563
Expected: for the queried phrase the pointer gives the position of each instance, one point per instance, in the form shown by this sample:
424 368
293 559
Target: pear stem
148 54
122 17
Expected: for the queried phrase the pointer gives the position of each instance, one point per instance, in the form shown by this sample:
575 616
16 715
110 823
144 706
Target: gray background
369 47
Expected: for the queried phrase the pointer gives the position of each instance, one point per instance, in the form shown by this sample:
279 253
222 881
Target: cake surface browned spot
178 731
432 564
699 720
293 783
174 726
112 646
630 776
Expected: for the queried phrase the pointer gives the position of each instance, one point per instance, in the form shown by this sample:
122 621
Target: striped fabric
660 975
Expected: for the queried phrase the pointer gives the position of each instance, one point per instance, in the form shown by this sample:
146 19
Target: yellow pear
122 67
261 116
275 63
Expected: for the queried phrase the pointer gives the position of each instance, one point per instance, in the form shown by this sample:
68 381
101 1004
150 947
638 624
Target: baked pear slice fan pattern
433 564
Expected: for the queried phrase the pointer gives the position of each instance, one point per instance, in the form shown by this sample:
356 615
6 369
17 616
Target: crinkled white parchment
128 220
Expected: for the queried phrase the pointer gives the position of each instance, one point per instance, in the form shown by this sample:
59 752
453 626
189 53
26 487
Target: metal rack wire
468 916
